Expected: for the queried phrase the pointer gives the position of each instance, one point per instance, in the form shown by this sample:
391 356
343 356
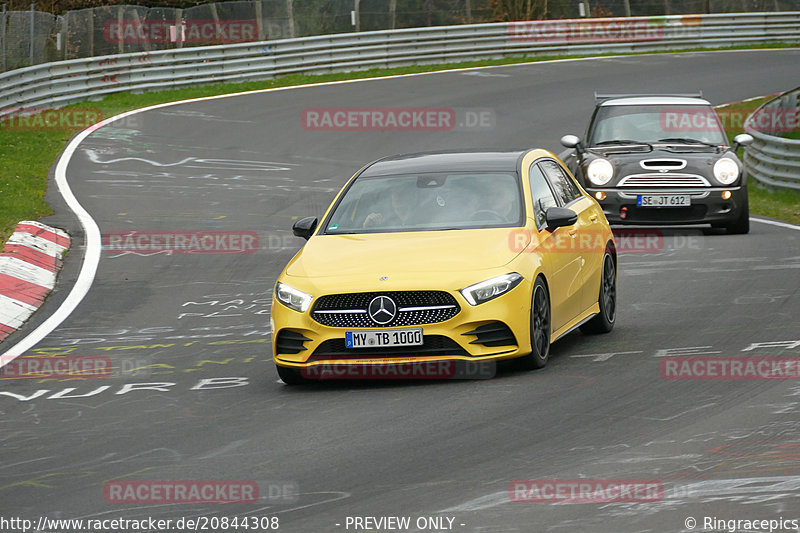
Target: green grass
781 204
24 163
26 156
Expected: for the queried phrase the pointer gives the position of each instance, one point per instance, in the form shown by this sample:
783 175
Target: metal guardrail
771 159
64 82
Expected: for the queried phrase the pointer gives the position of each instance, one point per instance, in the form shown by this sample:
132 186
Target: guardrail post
121 44
179 23
3 37
260 20
65 38
290 14
32 33
90 30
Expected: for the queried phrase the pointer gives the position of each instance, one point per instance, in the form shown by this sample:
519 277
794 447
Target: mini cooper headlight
726 170
491 288
293 298
600 171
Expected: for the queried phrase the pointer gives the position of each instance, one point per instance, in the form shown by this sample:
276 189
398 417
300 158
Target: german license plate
663 200
382 338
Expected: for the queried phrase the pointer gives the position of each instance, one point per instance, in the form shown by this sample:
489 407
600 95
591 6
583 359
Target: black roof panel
444 162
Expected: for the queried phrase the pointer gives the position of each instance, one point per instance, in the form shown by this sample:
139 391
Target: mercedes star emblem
382 310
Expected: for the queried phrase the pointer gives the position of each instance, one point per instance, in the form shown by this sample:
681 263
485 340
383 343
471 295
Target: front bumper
454 339
707 206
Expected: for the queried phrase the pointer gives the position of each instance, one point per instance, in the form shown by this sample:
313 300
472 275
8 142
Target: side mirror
557 217
572 141
743 139
305 227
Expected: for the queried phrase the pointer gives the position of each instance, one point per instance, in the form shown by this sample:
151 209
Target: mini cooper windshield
650 124
433 201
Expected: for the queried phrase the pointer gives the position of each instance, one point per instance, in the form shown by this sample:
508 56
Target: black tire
603 322
290 376
741 225
540 328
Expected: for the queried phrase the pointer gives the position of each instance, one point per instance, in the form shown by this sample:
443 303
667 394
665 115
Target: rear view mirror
305 227
572 141
557 217
743 139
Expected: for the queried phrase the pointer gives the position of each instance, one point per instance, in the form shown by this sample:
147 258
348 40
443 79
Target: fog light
600 195
726 195
623 213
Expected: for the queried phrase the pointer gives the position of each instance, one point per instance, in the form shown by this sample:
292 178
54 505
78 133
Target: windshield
656 123
432 201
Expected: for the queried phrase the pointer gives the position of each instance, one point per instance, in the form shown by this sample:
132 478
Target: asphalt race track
195 396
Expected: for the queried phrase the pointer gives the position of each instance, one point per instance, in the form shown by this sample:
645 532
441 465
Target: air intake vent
663 164
493 334
289 341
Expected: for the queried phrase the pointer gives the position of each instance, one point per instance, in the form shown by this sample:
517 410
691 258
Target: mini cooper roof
651 99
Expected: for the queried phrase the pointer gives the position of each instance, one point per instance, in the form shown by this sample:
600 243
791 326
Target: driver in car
400 211
502 201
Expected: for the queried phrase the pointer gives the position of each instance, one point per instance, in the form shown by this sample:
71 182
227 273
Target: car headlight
726 171
293 298
600 171
491 288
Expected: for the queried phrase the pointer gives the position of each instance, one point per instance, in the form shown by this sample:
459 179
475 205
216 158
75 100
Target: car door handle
573 232
593 218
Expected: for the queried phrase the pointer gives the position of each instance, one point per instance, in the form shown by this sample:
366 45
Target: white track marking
775 223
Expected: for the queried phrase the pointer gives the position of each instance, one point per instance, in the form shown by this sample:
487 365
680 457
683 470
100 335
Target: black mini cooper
652 159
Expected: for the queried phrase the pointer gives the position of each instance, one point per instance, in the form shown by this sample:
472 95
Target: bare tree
519 9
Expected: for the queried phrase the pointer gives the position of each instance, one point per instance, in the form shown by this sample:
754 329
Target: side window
566 189
543 197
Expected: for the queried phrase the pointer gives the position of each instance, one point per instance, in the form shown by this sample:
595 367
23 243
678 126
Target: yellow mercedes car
426 261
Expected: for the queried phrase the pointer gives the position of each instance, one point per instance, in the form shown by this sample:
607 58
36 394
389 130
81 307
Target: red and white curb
29 264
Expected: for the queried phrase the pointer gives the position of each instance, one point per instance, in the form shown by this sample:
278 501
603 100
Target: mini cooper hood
428 251
694 160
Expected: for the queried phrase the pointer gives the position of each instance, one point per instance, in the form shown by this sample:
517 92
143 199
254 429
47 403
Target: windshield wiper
686 140
620 141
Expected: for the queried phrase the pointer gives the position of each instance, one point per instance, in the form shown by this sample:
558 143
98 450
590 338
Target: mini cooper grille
413 308
432 345
664 180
